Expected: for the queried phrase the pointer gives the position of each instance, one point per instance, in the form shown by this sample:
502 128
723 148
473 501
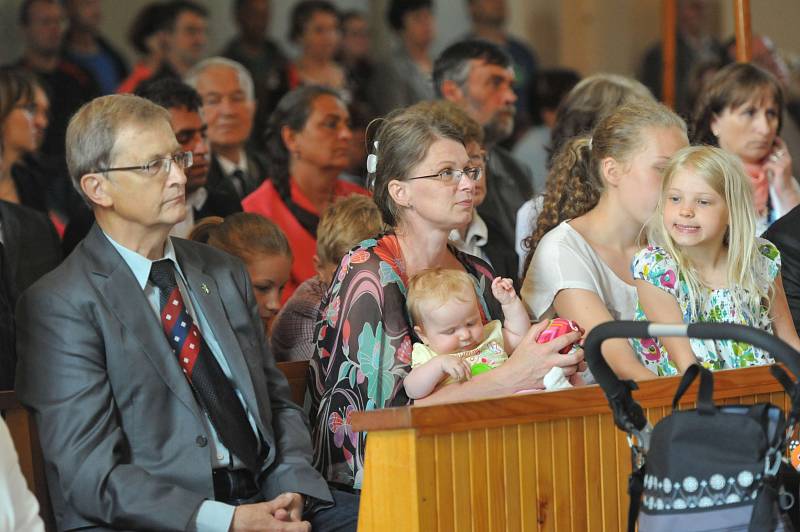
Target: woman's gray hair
245 79
404 138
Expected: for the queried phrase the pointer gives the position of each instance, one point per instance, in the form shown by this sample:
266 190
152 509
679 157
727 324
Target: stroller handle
618 392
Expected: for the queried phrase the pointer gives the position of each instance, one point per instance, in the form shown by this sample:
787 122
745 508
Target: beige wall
588 35
611 35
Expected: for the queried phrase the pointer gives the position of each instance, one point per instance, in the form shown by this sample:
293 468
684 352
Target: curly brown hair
570 171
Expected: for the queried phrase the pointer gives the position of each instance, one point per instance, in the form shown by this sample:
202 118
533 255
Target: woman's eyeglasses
450 176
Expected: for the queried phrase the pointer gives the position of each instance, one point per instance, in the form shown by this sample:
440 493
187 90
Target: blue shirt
101 66
212 515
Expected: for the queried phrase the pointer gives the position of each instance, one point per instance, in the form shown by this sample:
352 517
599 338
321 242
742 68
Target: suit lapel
208 297
115 282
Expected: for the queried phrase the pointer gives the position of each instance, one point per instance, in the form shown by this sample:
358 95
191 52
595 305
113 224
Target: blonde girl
705 264
580 269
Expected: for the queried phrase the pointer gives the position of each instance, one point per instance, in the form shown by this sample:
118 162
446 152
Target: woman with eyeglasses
424 186
23 121
307 142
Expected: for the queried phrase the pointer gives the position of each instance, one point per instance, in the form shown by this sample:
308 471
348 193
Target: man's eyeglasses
183 159
451 177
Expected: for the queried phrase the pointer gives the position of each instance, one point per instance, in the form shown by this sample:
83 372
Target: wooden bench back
26 441
296 375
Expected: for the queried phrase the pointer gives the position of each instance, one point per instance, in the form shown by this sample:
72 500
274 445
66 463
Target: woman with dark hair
314 28
741 111
307 143
23 121
424 188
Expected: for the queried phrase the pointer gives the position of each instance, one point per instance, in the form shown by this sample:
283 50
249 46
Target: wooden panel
389 492
529 486
512 478
561 472
26 443
496 485
576 402
478 479
461 482
296 374
446 481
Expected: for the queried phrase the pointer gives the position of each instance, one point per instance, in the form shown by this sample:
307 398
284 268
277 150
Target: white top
527 215
19 509
476 237
564 260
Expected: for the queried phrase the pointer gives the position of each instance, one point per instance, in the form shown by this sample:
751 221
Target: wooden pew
296 375
26 442
549 461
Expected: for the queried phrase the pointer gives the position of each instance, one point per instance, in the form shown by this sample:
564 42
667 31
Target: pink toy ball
559 327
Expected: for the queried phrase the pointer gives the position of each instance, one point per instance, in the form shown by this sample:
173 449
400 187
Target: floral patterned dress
364 338
658 268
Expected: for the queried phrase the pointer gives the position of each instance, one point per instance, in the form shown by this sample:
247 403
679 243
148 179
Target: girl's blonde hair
725 174
434 287
575 181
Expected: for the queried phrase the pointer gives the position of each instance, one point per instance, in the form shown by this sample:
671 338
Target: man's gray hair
245 79
92 132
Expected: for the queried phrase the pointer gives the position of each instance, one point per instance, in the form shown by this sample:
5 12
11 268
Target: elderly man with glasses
144 361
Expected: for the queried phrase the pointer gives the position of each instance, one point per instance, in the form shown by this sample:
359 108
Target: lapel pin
204 288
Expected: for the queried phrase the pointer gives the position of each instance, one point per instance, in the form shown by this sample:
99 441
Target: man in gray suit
144 361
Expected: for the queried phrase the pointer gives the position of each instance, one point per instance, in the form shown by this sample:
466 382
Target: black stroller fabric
709 468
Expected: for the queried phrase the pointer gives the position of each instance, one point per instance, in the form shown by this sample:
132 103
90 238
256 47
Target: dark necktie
212 388
238 180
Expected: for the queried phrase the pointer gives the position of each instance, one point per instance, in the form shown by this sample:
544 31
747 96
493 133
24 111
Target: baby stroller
713 467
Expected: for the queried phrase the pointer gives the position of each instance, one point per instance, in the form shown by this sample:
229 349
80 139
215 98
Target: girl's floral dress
654 265
363 352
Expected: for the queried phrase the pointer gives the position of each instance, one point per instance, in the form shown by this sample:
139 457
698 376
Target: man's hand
271 516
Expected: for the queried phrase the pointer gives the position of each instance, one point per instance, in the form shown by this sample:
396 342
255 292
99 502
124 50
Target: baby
447 318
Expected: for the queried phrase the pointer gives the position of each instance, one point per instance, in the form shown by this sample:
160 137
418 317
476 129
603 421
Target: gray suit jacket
123 437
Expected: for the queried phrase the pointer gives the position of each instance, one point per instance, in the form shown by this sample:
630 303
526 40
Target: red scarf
760 186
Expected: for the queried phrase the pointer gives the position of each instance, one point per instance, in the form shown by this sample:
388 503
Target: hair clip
372 160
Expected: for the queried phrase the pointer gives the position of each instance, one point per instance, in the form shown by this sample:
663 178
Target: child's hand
503 290
455 367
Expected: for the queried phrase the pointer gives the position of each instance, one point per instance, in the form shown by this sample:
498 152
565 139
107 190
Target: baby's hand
503 290
455 367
